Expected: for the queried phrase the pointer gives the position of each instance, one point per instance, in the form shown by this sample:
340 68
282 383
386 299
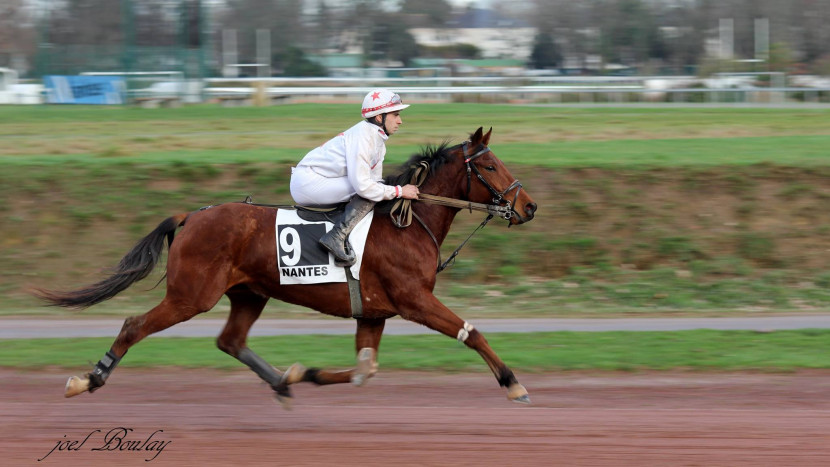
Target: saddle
320 213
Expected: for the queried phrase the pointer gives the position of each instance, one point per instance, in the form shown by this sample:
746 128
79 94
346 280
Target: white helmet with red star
381 101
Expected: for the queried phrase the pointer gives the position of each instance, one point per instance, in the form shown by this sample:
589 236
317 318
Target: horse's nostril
530 209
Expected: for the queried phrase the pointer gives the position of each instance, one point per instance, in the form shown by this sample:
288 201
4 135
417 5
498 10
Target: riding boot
335 239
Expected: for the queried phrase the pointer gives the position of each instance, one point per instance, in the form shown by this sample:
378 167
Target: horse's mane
435 156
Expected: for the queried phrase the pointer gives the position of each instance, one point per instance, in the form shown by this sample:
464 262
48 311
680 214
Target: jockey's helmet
381 101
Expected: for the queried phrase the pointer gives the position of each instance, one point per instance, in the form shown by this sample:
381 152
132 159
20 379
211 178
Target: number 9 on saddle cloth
301 259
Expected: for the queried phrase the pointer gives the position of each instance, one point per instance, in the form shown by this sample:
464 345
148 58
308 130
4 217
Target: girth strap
355 299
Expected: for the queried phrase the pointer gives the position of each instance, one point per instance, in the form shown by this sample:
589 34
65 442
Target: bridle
402 212
498 197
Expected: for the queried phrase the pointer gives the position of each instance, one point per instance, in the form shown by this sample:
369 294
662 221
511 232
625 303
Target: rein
402 213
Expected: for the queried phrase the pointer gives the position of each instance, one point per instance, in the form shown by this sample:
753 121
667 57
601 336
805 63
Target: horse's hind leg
167 313
367 341
246 307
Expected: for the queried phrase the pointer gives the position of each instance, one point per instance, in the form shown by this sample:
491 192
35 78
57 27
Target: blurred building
495 35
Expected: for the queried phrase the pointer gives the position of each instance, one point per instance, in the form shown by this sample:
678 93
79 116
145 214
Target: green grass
699 152
680 152
700 350
545 136
594 292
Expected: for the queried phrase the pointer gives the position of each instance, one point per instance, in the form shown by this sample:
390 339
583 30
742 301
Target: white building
494 35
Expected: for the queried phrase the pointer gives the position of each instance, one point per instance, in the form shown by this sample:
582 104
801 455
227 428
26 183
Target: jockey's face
393 122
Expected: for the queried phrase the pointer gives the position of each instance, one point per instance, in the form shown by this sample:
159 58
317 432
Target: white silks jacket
350 163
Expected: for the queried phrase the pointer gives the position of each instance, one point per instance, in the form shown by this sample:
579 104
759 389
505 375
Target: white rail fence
720 90
540 94
154 90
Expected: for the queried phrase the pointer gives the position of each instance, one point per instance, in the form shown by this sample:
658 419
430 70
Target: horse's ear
486 139
476 137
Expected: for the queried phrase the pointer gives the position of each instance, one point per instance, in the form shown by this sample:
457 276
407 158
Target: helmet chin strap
383 123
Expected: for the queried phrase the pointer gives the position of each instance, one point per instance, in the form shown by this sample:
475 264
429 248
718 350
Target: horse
229 249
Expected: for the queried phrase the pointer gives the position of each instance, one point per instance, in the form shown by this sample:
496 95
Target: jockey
349 167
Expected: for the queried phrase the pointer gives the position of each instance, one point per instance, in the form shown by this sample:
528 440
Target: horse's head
488 180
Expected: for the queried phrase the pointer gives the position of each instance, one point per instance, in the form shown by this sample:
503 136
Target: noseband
507 210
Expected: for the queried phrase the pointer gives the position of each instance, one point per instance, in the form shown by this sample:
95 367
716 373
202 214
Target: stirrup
347 251
344 264
348 262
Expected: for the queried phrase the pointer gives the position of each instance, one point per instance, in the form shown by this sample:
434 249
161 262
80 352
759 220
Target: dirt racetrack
415 419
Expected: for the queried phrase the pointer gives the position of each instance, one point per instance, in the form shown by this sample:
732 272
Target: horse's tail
134 266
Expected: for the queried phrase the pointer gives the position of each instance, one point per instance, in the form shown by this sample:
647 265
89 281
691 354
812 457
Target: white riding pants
310 188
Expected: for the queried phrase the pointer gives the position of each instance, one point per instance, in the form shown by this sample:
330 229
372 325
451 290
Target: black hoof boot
95 381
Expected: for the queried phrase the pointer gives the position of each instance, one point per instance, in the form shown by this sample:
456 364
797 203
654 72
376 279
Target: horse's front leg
430 312
367 341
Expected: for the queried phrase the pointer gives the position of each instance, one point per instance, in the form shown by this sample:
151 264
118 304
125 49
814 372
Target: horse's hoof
365 366
522 399
75 386
294 374
358 380
284 396
517 393
285 401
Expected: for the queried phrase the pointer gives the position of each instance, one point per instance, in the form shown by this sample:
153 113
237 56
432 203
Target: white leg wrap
464 332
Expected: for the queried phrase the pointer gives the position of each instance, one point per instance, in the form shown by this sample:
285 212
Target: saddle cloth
301 259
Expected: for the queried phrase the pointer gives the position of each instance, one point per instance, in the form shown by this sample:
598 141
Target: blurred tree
17 38
437 11
821 66
632 32
813 38
282 17
383 34
675 33
192 23
362 17
629 34
293 62
743 13
468 51
545 53
101 22
567 23
685 41
87 22
99 35
780 57
155 25
388 39
325 27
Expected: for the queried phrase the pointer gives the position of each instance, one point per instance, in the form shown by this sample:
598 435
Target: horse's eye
490 168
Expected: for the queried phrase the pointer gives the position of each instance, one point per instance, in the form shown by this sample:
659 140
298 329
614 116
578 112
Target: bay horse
229 249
